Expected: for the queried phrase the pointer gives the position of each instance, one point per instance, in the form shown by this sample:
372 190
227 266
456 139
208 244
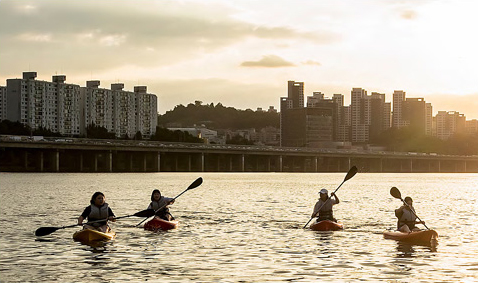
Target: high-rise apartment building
145 108
306 126
449 123
412 112
3 103
358 111
69 109
41 104
295 92
397 116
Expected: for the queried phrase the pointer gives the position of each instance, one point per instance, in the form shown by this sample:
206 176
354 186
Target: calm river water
238 227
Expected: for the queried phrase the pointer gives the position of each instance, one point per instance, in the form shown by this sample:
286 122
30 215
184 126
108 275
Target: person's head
155 195
98 199
323 194
408 200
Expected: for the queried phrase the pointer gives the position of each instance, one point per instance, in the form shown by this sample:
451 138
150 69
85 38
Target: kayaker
157 202
325 205
98 210
407 218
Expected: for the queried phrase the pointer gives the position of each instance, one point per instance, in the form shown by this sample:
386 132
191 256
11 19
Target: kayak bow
326 225
90 235
425 237
157 224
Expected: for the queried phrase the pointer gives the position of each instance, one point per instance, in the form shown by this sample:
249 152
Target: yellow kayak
89 235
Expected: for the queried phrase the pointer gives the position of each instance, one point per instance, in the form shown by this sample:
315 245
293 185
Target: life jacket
408 218
326 212
155 205
98 213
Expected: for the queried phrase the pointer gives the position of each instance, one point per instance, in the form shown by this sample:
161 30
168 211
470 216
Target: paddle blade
395 193
351 173
145 213
43 231
195 184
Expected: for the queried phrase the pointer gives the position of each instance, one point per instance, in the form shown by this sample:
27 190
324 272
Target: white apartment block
97 106
40 104
3 103
125 111
146 105
69 109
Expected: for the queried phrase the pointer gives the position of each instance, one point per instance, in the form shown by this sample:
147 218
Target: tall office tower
414 114
285 105
342 129
359 107
40 104
146 105
428 119
3 103
378 115
316 97
471 127
398 99
295 92
449 123
98 107
328 107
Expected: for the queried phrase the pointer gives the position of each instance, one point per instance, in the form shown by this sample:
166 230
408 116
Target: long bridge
33 154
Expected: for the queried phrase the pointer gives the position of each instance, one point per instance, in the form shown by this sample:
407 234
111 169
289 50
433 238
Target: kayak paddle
349 176
193 185
43 231
396 194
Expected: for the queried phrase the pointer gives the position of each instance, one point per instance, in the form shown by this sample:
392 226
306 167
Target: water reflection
407 250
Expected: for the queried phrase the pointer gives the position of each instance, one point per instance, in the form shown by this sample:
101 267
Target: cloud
311 62
408 14
95 35
268 61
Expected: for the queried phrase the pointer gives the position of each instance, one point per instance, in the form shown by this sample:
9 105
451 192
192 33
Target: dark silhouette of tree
239 140
98 132
138 136
218 117
163 134
8 127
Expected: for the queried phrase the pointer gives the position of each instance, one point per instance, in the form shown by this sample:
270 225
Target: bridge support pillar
56 161
242 162
109 161
41 161
202 162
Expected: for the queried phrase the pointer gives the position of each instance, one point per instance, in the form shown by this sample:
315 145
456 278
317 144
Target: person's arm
337 201
316 210
111 216
85 214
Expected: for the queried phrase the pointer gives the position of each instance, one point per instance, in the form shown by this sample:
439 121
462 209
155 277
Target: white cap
323 191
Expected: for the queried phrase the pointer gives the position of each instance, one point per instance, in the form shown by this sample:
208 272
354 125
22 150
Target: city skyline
242 53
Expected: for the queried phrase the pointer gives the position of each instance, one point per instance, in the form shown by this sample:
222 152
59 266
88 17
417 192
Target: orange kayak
89 235
157 223
425 237
326 225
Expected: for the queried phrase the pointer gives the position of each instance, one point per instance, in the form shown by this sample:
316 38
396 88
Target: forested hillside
217 117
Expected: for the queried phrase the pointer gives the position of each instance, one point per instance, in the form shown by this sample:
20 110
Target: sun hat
323 191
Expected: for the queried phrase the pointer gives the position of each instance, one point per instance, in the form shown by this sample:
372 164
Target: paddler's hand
333 195
112 219
171 202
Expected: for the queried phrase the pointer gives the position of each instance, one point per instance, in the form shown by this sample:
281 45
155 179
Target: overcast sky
242 52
